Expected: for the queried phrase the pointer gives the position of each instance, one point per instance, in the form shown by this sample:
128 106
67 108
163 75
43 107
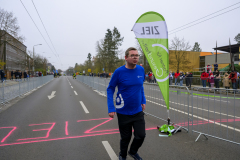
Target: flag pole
216 53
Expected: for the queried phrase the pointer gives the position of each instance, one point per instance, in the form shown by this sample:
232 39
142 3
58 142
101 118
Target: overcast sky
75 26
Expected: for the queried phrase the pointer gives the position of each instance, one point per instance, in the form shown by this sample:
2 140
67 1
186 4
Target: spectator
188 79
181 77
211 80
20 75
104 74
170 78
5 76
153 78
25 75
16 75
215 67
233 77
12 72
36 74
226 82
146 77
2 76
176 77
217 78
191 77
209 68
208 79
238 75
150 77
204 76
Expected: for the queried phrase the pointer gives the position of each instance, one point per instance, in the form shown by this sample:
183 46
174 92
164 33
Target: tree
196 47
109 48
179 60
237 38
107 54
9 24
2 64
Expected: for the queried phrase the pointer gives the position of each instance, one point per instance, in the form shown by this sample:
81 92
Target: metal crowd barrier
215 113
12 89
211 112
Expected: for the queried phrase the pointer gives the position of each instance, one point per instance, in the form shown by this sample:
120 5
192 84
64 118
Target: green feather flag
152 35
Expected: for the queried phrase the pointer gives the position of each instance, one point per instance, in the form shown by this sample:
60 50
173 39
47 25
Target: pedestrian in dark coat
2 76
25 75
20 75
188 80
16 75
11 75
217 78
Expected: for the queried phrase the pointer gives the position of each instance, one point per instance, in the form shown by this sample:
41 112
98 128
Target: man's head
177 71
132 56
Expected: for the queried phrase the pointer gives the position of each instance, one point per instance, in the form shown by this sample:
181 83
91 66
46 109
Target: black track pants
126 124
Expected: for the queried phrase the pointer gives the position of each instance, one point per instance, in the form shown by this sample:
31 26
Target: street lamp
33 54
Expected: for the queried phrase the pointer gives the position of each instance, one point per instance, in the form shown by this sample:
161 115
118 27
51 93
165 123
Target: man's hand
111 114
143 106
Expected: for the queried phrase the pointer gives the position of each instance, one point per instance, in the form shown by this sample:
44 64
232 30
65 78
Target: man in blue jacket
130 103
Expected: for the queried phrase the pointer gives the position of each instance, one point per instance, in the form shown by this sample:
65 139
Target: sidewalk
10 82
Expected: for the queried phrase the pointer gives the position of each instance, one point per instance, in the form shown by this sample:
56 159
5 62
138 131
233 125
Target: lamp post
33 55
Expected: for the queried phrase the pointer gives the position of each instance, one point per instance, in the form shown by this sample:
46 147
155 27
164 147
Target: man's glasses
136 55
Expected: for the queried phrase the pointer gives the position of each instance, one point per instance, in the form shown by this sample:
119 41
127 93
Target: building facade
13 54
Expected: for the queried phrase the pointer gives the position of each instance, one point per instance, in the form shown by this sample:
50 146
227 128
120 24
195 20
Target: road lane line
66 128
110 151
75 93
84 107
71 86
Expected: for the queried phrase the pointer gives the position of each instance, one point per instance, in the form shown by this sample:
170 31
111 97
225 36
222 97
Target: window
236 57
202 62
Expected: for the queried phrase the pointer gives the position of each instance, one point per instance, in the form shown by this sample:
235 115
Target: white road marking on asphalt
210 121
110 151
84 107
75 93
71 86
101 94
52 95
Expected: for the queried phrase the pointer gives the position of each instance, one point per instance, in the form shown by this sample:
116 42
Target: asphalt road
74 125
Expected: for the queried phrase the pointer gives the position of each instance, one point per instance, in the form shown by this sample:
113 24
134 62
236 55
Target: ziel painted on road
206 95
12 135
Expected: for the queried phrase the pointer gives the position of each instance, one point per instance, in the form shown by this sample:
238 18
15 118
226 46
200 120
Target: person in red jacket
150 77
233 77
204 76
176 76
